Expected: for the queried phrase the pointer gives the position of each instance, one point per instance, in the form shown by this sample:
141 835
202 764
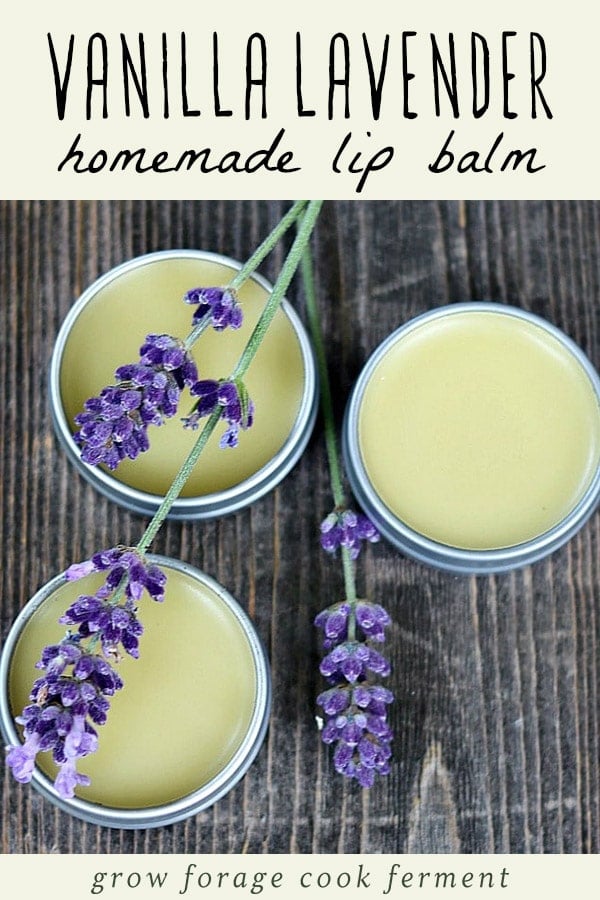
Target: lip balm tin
433 551
207 505
206 794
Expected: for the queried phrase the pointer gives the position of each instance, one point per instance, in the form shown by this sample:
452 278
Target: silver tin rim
207 506
416 545
203 797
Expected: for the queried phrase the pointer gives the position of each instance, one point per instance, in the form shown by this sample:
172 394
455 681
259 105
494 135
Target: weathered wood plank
497 679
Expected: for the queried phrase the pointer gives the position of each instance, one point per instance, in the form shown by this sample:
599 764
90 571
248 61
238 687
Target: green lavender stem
180 479
288 269
312 315
268 244
306 225
196 332
331 444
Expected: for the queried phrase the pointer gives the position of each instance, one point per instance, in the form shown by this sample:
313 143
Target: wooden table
497 728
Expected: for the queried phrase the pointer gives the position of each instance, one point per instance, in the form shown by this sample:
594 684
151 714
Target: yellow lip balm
187 703
478 428
147 298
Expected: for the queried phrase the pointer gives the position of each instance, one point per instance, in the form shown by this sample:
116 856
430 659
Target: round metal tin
206 506
204 796
420 547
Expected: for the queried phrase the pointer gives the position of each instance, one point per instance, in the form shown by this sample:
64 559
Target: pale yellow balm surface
186 704
148 299
479 430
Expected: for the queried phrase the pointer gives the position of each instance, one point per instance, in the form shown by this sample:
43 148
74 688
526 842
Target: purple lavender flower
237 409
352 661
114 624
345 528
114 425
21 758
334 623
71 697
370 618
59 720
217 306
122 563
355 705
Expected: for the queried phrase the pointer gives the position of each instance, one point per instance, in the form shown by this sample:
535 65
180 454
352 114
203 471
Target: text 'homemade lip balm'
191 715
106 328
473 437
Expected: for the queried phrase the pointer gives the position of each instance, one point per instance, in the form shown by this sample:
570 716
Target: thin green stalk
331 444
348 568
282 283
267 245
196 332
180 479
292 261
314 323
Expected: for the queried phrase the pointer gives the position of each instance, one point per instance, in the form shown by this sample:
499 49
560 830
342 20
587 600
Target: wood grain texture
497 736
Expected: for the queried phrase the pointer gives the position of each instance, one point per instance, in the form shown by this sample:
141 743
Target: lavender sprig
114 425
356 704
71 698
